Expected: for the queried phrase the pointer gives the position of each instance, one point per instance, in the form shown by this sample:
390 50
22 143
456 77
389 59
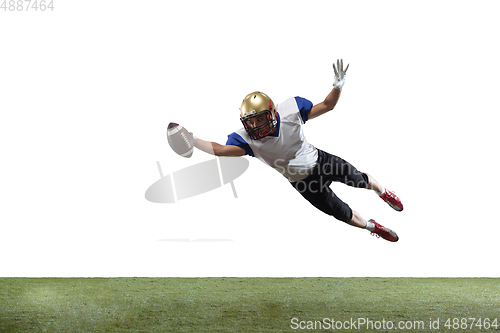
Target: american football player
274 135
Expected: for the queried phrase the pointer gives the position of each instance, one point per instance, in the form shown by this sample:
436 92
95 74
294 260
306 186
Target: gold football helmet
256 104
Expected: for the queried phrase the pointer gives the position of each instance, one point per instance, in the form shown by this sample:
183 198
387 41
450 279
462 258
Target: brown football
180 140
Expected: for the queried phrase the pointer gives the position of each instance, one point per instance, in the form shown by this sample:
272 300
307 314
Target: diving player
274 135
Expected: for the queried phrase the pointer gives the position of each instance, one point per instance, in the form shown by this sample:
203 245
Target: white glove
340 74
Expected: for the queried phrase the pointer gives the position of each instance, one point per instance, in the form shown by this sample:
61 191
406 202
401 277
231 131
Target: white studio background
87 91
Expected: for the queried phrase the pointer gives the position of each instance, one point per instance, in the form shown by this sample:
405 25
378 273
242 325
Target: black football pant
316 187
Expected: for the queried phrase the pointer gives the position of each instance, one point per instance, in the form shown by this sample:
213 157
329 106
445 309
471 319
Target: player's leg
317 191
374 185
358 221
316 187
337 169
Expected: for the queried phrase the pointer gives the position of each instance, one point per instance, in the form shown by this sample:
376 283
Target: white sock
370 226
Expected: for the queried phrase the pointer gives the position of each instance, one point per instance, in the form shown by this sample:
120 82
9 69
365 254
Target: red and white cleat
392 200
385 233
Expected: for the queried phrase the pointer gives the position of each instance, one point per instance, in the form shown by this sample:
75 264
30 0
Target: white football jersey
286 150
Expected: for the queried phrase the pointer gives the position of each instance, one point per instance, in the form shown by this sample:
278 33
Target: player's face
255 122
259 124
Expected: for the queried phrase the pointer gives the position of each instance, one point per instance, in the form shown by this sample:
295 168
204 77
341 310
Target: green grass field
249 304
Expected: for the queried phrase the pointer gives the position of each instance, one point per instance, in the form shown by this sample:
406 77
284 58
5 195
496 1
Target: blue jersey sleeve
234 139
304 106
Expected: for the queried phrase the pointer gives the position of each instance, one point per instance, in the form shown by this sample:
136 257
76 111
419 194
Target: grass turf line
237 304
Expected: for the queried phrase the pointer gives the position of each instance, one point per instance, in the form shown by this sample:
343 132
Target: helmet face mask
255 105
261 130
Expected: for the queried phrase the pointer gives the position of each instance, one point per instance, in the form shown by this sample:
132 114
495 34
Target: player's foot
392 200
385 233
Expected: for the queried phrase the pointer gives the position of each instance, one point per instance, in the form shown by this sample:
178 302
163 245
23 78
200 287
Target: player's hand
340 74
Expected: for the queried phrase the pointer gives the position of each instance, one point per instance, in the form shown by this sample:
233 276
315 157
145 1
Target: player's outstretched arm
333 97
214 148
